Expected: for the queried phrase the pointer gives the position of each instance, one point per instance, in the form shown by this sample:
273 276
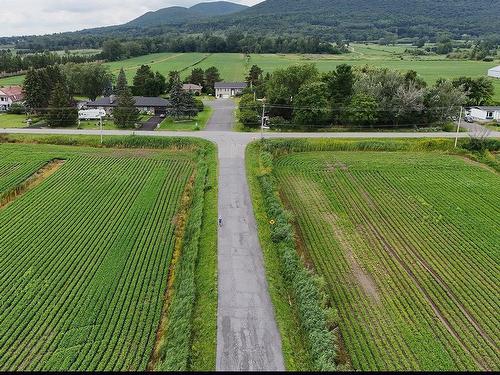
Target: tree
61 112
96 78
310 106
173 77
285 84
182 104
34 91
125 114
197 77
143 74
112 50
212 76
254 77
362 110
249 111
443 101
339 88
479 91
155 86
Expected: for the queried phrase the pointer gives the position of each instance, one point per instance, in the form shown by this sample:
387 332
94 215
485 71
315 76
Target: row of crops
85 257
409 246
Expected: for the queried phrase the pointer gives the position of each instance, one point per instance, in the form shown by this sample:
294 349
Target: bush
249 118
17 109
199 105
482 145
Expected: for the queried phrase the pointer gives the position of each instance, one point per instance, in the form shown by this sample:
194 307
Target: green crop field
86 253
234 66
409 247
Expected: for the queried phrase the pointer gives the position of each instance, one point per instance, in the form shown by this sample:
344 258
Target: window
489 115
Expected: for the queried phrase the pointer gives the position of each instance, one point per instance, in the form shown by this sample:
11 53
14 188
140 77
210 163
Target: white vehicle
91 114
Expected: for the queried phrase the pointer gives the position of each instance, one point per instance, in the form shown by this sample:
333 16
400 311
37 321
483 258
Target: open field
408 245
234 67
87 242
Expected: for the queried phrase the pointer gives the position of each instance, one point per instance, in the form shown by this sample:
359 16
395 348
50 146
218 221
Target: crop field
409 247
234 66
85 254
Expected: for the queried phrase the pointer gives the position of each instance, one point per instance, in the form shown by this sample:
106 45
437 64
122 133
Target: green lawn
201 120
12 121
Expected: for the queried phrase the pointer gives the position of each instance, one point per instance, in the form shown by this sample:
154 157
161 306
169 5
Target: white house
485 113
494 72
10 95
229 89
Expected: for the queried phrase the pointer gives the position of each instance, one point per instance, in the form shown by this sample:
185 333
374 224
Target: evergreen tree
144 74
212 76
182 104
254 77
197 77
61 112
34 95
125 114
173 77
155 85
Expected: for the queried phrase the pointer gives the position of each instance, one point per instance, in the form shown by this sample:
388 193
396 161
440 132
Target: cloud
28 17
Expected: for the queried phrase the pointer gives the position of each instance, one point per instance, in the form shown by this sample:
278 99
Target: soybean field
409 247
86 243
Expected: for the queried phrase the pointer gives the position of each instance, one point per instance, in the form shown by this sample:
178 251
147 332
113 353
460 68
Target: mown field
86 252
409 248
234 67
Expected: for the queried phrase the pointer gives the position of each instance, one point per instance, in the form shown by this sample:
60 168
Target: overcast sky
27 17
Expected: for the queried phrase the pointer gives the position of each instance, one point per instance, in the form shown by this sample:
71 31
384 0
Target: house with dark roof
10 95
151 105
229 89
485 113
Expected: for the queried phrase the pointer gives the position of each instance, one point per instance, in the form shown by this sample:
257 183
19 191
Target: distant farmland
85 253
408 244
234 67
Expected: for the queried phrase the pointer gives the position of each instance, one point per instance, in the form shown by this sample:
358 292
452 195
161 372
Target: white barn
485 113
494 72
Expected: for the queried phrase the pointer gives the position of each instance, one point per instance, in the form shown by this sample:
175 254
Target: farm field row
408 245
86 255
234 67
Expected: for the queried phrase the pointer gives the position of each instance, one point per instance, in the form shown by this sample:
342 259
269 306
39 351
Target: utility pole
262 119
458 126
100 125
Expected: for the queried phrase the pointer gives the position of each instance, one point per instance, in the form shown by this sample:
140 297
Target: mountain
218 8
181 15
364 19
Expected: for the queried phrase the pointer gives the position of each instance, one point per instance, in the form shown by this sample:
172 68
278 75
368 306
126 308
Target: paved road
247 335
223 116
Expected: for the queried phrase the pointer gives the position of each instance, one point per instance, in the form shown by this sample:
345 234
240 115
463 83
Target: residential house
229 89
494 72
485 113
10 95
192 88
150 105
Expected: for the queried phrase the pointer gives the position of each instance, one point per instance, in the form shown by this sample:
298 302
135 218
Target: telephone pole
262 119
458 126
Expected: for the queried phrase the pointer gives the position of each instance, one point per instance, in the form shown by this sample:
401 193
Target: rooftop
487 107
140 101
13 92
230 85
191 86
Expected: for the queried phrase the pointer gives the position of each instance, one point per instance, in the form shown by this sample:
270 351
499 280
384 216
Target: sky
28 17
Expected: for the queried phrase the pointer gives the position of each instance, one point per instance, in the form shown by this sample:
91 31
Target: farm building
494 72
151 105
10 95
229 89
485 113
192 88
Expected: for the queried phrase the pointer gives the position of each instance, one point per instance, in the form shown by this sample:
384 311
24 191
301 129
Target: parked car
468 118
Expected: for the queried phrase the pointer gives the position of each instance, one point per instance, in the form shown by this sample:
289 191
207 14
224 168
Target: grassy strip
175 354
311 304
204 339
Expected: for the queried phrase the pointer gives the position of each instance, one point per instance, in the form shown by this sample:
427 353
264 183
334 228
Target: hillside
181 15
362 19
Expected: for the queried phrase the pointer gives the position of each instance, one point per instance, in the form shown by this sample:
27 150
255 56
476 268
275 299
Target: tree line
11 62
301 97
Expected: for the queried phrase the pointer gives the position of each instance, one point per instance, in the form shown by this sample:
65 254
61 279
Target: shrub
17 109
